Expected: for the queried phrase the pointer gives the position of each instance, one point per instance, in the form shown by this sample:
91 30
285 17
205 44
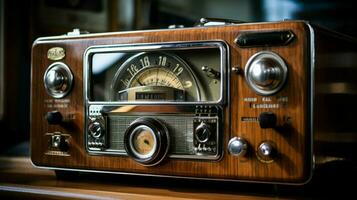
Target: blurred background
24 21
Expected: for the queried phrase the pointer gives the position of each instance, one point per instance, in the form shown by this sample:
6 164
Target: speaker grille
180 131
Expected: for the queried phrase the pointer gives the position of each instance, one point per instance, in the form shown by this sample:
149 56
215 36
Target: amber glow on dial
156 76
144 143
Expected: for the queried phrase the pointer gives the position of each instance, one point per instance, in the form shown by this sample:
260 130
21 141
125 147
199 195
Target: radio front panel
204 102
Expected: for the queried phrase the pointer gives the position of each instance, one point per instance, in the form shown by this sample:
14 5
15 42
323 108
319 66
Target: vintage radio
236 101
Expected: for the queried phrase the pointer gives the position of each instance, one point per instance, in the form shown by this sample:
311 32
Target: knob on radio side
237 146
58 80
267 120
266 152
54 117
266 73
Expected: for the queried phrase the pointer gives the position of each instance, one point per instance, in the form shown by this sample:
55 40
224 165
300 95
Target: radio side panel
335 132
291 138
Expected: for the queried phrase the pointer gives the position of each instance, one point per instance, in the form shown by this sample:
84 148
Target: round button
266 152
237 146
202 132
266 72
58 80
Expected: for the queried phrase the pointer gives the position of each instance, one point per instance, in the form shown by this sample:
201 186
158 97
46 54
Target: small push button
267 120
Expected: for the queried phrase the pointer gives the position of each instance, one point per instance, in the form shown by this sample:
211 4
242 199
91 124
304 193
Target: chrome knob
237 146
54 79
266 152
95 129
58 80
266 72
202 132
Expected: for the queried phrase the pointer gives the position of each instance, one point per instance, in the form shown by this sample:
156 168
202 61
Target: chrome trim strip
310 109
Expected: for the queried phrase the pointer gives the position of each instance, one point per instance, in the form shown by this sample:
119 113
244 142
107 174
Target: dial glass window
166 75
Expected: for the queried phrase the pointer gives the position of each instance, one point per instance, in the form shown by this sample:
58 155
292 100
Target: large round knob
237 146
147 141
54 79
202 132
266 72
95 129
266 152
54 117
58 80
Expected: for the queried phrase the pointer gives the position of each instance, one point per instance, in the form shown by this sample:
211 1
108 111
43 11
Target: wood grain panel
292 163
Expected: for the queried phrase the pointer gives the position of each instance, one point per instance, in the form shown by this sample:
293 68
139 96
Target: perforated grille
180 131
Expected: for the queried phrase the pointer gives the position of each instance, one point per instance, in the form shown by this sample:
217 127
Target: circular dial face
147 141
155 77
144 142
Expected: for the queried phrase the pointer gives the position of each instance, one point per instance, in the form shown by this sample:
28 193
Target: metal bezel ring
161 136
263 55
69 76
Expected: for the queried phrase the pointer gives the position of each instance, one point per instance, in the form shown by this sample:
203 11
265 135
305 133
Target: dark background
24 21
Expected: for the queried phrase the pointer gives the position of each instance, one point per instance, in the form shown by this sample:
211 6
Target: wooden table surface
20 180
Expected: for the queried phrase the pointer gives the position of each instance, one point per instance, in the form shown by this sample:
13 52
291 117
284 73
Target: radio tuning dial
95 129
147 141
266 72
203 132
237 146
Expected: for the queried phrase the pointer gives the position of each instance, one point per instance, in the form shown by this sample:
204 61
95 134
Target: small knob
266 72
266 152
237 146
95 129
203 132
59 142
54 117
267 120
